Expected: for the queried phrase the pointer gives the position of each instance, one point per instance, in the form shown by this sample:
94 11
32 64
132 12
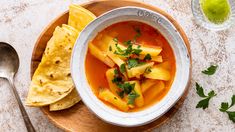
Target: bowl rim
92 106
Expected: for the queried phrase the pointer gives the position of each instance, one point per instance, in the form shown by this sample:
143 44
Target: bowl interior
166 28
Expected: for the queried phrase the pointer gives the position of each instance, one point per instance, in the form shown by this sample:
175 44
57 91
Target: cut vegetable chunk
158 73
108 96
110 76
104 43
152 92
146 84
166 65
139 70
100 55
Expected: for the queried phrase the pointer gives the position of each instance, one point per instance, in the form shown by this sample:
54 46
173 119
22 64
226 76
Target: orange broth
95 69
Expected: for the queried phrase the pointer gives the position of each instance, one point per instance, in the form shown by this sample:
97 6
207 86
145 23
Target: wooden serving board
79 118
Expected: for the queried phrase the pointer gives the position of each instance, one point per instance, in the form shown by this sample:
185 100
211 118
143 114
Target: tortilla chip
52 79
79 17
66 102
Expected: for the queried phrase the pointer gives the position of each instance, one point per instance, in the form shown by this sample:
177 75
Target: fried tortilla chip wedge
52 79
66 102
79 17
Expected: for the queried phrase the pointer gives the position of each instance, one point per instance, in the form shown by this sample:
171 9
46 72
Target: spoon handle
27 121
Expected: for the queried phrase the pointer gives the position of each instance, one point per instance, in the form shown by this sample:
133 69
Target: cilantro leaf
121 94
205 101
132 63
200 90
137 51
122 68
131 98
127 42
147 57
224 107
211 93
233 100
231 115
210 70
126 87
115 71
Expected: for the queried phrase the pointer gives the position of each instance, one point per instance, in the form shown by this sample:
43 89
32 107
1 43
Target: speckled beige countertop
21 22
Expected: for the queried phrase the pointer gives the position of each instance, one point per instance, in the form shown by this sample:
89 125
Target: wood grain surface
79 118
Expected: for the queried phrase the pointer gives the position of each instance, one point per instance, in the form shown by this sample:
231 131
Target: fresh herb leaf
210 70
127 52
147 57
205 101
131 97
132 63
224 107
137 51
126 87
115 71
121 94
123 68
233 100
231 115
200 90
119 49
129 42
110 48
117 80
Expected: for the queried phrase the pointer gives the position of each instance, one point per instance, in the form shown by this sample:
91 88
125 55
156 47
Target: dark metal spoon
9 65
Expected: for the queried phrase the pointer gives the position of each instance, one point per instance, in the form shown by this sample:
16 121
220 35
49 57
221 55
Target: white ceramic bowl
163 25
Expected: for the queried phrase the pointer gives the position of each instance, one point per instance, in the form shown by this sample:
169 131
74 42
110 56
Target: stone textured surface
21 22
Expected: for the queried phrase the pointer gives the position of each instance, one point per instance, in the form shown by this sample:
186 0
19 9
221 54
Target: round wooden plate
79 118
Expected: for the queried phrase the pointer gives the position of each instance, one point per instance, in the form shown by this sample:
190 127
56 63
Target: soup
130 66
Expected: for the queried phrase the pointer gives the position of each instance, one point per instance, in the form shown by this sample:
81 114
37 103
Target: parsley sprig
210 70
205 101
225 108
131 97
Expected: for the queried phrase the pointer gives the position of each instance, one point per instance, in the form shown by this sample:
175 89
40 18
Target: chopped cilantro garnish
127 42
148 57
115 71
137 51
128 51
126 87
122 68
131 97
121 94
132 63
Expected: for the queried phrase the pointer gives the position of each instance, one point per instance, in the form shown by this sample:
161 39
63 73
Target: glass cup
204 22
